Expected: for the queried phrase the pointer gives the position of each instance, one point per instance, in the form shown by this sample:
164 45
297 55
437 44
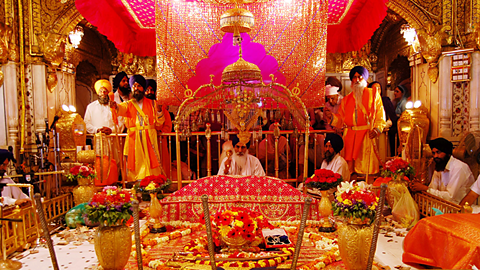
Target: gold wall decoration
133 64
51 78
430 39
72 133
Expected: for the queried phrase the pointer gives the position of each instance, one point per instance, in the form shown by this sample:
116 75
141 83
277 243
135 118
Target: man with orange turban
143 118
361 112
98 116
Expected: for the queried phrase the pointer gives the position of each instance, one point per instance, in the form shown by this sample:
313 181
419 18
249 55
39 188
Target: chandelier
76 36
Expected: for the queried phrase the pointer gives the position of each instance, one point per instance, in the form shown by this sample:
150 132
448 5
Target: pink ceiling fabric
130 24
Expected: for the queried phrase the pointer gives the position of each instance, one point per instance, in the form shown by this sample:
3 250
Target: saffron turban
118 78
331 90
442 144
360 70
335 140
103 84
138 79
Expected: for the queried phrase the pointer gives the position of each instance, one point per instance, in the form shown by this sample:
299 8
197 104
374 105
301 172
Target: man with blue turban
361 112
333 161
143 118
121 88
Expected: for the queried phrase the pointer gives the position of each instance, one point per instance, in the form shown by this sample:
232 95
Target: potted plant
152 185
112 208
357 205
84 175
324 180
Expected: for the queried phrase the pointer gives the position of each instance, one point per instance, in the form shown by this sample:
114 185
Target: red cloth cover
270 196
449 241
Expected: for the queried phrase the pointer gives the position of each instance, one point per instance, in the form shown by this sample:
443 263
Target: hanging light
410 35
76 36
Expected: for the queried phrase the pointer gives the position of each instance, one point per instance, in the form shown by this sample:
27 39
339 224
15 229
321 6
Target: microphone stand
56 152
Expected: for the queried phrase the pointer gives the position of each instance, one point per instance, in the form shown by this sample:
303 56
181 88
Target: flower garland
324 260
271 262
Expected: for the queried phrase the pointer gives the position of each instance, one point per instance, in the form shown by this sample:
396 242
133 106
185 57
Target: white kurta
98 116
453 183
252 167
118 99
476 186
11 194
338 165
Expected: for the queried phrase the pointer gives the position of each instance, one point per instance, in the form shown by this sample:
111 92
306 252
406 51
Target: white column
39 96
445 97
474 95
10 86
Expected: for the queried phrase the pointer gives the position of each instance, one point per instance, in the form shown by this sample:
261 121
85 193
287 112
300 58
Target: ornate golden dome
237 20
241 70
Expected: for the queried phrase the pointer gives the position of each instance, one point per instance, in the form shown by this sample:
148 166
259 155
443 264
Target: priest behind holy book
240 162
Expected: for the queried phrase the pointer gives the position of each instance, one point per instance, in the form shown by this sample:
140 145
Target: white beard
358 90
240 161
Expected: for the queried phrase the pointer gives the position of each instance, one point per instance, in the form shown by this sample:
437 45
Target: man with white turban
98 116
333 98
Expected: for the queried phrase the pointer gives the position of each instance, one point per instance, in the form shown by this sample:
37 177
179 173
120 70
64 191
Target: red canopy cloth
130 24
270 196
449 241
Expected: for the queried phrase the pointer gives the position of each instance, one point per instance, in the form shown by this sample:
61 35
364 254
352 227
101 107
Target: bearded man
151 91
361 112
240 162
333 161
452 178
143 118
98 116
122 87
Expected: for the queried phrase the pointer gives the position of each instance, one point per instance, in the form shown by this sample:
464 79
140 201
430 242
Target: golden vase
354 241
112 246
395 189
84 191
325 208
156 211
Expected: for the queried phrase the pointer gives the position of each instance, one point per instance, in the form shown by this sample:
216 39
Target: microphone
55 119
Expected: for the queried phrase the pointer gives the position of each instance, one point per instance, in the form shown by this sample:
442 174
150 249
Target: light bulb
417 104
72 108
65 108
409 105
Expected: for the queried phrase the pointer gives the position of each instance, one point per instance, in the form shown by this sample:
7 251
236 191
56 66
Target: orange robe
358 122
141 146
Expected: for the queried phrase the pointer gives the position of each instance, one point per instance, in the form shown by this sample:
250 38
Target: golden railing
427 201
197 140
18 234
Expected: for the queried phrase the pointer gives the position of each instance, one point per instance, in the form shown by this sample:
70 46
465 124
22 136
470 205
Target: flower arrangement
398 166
153 184
81 171
354 201
110 207
324 179
238 224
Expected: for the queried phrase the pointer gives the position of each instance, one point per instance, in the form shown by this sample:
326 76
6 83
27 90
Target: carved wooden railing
427 201
58 206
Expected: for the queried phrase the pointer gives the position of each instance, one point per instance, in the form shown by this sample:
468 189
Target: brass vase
395 189
354 241
112 246
325 208
84 191
156 212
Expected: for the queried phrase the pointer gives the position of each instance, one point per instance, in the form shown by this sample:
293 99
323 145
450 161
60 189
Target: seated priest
473 194
333 161
10 195
452 178
240 162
